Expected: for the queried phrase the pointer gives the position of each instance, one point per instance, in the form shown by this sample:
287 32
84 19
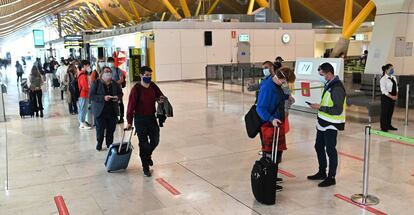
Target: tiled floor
204 153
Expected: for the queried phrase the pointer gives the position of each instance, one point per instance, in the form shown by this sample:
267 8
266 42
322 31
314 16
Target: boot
41 114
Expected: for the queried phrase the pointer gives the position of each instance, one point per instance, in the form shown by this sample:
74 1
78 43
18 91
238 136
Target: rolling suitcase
26 107
55 83
263 175
119 153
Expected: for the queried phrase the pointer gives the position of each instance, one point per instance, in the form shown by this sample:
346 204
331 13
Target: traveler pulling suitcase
119 153
26 107
263 175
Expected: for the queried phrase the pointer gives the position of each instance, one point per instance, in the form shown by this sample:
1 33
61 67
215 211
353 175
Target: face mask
392 72
88 70
101 64
111 65
322 79
146 80
107 77
266 72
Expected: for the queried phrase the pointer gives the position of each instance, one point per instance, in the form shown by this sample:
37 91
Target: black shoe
98 148
41 114
279 180
392 128
147 172
317 176
384 130
327 182
150 162
37 114
120 121
279 188
108 146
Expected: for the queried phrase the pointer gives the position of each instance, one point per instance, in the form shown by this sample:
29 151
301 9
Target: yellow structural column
97 15
262 3
359 19
198 8
105 15
124 11
347 15
171 9
285 10
213 7
185 8
251 6
132 5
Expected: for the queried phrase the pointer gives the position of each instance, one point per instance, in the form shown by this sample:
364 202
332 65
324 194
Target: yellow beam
213 7
262 3
124 11
132 5
96 14
198 8
184 6
171 9
251 6
105 15
163 16
84 22
353 27
85 17
347 14
285 10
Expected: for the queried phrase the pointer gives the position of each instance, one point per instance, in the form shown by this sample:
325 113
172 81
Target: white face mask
101 64
106 77
322 79
266 72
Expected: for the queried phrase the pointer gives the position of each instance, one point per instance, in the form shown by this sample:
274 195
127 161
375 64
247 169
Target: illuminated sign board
305 68
244 38
39 38
73 41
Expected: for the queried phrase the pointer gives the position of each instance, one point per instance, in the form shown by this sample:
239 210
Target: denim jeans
83 108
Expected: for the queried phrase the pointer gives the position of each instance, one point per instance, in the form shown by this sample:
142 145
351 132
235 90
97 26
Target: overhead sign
73 41
38 38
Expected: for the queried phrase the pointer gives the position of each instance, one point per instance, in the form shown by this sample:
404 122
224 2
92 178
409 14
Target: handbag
253 122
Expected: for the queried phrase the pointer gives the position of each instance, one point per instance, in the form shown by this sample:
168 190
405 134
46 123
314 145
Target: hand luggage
253 122
55 83
26 108
263 175
119 153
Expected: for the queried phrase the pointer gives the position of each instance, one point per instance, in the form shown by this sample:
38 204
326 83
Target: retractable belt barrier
365 198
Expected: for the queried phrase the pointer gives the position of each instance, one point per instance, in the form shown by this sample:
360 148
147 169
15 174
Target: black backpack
74 88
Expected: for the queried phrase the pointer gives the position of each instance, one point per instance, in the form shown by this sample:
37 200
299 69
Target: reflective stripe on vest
327 102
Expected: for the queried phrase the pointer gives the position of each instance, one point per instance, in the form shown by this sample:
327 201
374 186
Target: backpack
74 87
123 84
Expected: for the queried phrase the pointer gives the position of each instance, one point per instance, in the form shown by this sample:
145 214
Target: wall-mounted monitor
39 38
244 38
305 68
208 38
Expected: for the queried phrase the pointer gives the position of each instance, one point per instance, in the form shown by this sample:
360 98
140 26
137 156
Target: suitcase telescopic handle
275 143
131 129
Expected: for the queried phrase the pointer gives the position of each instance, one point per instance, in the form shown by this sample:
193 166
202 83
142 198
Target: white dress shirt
386 84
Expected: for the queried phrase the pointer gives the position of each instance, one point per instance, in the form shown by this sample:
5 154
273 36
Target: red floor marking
288 174
168 186
61 206
367 208
401 143
350 156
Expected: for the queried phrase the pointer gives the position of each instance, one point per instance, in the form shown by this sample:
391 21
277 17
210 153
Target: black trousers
61 94
327 140
148 133
105 122
73 107
121 109
19 76
387 110
36 98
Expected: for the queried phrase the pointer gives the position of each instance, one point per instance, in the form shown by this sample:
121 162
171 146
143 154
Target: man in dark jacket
104 94
331 119
141 110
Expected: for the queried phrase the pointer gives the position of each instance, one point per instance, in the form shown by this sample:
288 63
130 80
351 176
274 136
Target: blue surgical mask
392 72
110 65
146 80
101 64
322 79
266 72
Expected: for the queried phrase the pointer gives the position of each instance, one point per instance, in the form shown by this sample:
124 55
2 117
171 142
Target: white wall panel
168 72
193 71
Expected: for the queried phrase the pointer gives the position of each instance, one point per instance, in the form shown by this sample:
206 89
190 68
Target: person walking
141 110
83 86
36 91
104 95
331 119
119 77
389 91
19 71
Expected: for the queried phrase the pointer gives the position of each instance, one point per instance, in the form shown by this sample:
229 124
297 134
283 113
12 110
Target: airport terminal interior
232 107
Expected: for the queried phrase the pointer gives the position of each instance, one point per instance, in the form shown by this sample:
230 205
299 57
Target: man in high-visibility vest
331 119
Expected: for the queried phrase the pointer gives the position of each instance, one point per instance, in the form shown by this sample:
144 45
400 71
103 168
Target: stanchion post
374 81
407 101
365 198
242 79
222 77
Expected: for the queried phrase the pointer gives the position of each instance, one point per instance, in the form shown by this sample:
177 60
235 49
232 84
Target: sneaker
81 126
120 121
147 172
279 188
86 127
317 176
279 180
327 182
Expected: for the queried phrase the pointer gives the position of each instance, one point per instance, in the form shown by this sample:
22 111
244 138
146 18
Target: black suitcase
26 108
55 82
263 176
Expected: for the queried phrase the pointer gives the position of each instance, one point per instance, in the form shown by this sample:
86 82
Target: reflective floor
204 154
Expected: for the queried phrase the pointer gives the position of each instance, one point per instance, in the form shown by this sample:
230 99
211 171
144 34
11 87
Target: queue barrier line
61 206
393 136
310 88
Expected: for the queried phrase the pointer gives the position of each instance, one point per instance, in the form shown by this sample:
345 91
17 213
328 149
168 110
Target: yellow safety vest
327 101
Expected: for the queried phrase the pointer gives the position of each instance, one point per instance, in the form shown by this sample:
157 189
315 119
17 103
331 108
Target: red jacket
83 84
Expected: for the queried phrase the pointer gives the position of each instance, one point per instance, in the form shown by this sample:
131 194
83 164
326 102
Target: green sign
134 64
39 38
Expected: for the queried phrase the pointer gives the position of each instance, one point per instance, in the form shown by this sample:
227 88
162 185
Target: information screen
305 68
244 38
39 39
